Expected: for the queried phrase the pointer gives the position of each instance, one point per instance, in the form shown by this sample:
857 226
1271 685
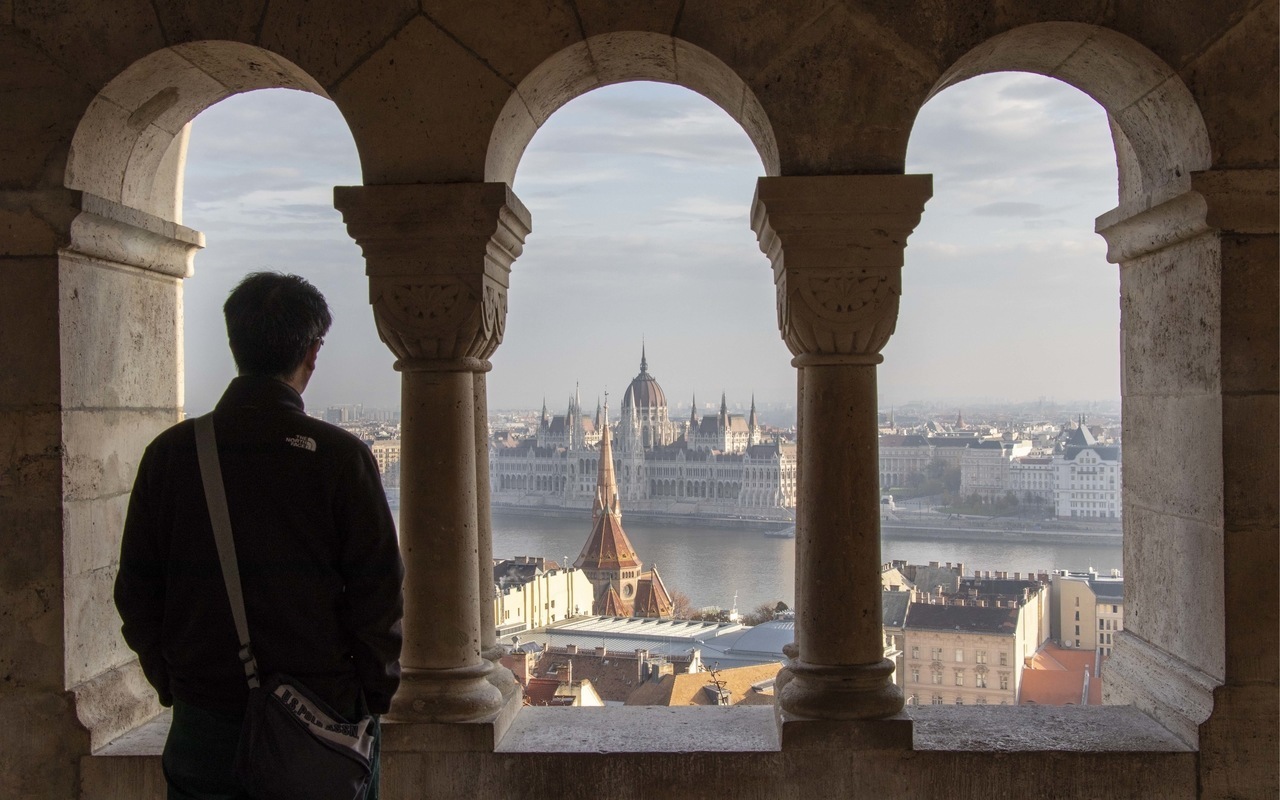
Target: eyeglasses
319 341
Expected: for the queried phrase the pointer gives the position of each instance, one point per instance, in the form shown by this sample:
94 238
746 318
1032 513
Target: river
711 565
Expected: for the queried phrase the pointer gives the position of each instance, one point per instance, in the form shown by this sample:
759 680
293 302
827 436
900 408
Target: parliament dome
644 391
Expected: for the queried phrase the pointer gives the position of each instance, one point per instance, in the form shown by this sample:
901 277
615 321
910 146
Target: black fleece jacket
316 545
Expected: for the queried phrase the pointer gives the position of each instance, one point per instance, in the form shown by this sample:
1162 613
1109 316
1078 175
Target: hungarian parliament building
716 465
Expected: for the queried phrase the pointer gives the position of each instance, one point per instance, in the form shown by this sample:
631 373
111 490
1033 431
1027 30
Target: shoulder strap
216 498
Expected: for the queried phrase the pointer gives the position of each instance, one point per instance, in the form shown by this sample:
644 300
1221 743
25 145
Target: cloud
1007 209
640 195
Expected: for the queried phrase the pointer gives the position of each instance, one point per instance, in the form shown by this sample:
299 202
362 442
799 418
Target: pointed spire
598 412
724 405
546 419
693 409
606 481
752 422
644 362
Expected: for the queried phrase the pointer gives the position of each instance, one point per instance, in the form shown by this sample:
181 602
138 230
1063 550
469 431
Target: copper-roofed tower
608 559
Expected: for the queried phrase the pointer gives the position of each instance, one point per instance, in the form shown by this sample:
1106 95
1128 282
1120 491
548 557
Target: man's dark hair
271 321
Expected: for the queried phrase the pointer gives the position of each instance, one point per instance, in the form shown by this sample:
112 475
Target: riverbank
655 518
941 530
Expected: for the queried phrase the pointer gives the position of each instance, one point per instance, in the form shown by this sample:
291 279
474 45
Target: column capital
836 244
438 257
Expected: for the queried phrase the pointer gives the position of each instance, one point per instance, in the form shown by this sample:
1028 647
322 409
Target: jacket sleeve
373 572
140 583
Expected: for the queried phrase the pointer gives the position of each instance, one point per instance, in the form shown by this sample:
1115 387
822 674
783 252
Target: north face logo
305 442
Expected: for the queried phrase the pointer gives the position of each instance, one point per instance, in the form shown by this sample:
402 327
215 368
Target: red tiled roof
652 598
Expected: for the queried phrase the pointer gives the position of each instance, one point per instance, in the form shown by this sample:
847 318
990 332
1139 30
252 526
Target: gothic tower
608 558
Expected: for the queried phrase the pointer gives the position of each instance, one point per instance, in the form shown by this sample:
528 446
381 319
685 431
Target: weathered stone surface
90 614
1250 326
329 40
43 104
814 77
120 337
93 530
115 702
1169 320
838 86
41 763
102 449
1245 132
629 751
546 29
29 349
1181 466
603 16
387 105
31 601
72 33
748 34
1176 553
183 22
1005 729
1233 744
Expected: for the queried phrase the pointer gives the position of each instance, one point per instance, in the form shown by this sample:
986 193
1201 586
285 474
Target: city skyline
640 195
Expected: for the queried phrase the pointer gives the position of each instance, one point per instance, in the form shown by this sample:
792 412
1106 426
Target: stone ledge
650 728
643 729
1063 729
656 729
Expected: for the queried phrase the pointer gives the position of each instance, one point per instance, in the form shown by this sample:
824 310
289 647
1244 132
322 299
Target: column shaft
836 245
838 519
444 675
438 258
500 677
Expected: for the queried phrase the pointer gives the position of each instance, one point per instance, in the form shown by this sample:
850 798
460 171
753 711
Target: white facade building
527 596
720 464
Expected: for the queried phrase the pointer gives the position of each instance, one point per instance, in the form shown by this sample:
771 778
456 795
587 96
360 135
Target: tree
681 606
761 613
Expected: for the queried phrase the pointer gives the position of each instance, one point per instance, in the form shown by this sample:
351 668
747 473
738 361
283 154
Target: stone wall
94 101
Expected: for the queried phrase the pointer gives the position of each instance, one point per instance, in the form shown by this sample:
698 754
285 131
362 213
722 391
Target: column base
461 694
820 691
475 736
501 678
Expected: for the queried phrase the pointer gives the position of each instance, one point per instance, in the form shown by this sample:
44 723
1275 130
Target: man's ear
312 352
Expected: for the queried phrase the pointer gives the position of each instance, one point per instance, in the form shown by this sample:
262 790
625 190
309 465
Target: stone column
438 258
500 677
836 244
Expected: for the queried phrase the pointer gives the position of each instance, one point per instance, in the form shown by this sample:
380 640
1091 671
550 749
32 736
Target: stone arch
612 58
130 144
1159 132
1170 261
121 272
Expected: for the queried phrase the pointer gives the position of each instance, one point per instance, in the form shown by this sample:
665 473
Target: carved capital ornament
836 244
438 257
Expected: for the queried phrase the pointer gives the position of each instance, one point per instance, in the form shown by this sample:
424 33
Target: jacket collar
256 391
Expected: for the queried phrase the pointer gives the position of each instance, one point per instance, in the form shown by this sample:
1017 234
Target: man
315 541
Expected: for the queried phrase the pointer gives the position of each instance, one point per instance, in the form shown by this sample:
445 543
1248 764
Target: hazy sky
640 196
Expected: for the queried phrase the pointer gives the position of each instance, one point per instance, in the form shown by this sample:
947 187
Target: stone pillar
1198 288
438 258
90 372
836 244
500 677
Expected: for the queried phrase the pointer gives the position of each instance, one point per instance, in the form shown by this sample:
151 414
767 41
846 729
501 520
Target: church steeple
606 481
608 558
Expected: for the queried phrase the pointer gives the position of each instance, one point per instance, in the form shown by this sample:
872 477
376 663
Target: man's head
275 325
